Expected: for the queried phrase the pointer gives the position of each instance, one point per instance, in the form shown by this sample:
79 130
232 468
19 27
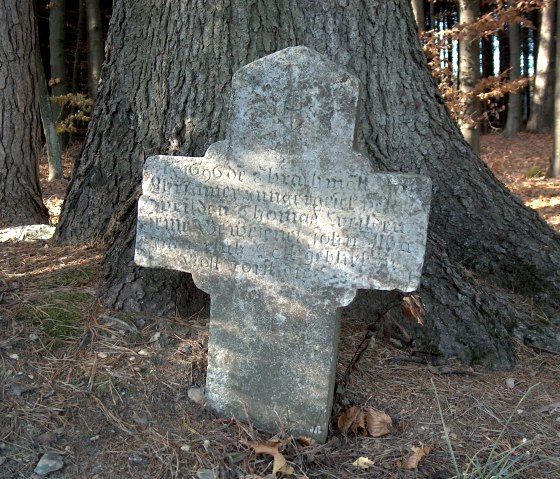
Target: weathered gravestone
280 224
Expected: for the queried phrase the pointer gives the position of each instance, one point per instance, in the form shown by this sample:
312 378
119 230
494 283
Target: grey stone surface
26 233
48 463
281 223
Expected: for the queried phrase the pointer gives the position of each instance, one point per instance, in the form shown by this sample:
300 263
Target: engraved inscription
265 220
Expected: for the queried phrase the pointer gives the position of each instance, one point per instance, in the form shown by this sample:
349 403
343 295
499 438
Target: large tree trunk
166 92
469 71
542 115
20 129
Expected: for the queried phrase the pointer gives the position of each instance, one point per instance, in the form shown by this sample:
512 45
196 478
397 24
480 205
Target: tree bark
542 115
169 66
57 46
554 170
469 71
20 129
95 44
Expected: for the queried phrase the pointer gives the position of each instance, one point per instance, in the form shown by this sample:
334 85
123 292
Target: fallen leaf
418 453
18 389
281 466
413 309
377 422
348 418
551 409
196 395
363 462
236 457
269 448
366 421
205 474
306 441
155 337
141 418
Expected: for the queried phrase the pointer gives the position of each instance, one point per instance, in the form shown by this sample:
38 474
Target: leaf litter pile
91 392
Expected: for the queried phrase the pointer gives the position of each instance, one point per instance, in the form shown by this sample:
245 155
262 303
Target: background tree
418 8
514 114
95 44
542 116
57 49
20 136
48 121
469 71
166 84
554 170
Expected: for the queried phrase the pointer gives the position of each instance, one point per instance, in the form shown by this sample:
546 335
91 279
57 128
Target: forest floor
118 395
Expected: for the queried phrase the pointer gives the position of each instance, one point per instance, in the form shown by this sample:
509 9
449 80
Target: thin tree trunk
513 122
418 7
80 41
469 72
57 46
487 64
164 95
542 117
95 44
526 91
554 170
449 24
20 129
80 37
49 128
432 16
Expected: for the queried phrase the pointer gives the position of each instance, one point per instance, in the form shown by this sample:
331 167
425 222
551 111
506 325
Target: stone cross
281 223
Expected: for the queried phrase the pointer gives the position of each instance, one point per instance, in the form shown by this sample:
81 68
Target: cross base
272 358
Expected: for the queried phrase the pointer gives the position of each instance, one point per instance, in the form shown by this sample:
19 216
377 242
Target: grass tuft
60 316
507 464
80 276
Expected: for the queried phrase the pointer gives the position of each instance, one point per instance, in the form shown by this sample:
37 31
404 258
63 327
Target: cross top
281 223
288 102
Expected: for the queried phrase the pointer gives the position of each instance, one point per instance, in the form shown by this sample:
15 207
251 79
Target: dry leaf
269 447
418 453
413 309
348 418
281 466
306 441
377 422
366 421
363 462
551 409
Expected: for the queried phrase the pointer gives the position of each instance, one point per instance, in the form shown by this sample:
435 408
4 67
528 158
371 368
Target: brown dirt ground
112 399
